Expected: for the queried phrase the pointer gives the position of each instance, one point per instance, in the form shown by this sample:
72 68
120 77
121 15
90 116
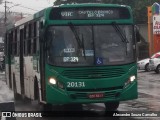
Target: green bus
74 54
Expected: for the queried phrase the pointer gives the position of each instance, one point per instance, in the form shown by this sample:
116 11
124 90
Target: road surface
148 100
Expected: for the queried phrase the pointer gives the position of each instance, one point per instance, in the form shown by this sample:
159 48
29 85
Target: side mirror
137 34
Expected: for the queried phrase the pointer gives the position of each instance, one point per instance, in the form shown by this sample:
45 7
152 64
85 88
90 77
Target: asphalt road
148 100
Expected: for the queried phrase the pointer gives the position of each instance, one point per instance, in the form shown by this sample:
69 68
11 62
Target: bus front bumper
57 96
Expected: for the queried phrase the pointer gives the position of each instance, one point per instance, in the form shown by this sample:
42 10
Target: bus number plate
75 84
96 95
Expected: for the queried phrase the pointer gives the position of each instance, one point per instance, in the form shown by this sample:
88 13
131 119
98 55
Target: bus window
29 39
35 38
15 43
56 40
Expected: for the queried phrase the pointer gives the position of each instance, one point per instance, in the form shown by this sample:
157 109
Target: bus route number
75 84
70 59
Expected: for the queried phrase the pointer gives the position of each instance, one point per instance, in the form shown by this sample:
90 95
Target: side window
41 24
18 41
30 29
11 43
25 40
35 38
38 28
6 44
15 42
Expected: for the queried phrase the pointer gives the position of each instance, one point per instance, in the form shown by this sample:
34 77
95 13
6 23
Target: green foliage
139 7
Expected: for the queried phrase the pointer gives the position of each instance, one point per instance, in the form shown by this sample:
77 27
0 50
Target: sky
24 5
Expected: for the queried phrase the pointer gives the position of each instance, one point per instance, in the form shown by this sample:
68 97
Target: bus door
42 63
42 71
21 61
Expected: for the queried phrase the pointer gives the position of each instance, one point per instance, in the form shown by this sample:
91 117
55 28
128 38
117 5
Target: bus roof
41 13
92 5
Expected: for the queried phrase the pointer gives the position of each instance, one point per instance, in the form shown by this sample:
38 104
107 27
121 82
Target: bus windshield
100 45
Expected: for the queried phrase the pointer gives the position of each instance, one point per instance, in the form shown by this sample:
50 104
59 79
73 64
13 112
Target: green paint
57 95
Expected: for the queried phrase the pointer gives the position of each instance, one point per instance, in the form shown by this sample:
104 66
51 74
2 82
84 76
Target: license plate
95 95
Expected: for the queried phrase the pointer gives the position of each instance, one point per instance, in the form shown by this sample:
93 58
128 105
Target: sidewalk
6 95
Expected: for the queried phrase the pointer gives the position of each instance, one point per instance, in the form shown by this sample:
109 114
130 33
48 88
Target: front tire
111 106
157 69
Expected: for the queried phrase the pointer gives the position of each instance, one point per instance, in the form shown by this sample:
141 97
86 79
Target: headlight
52 81
130 80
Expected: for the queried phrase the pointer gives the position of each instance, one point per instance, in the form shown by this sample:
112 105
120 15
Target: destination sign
89 13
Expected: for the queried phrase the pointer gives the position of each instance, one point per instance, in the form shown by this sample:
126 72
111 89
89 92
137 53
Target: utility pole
5 18
5 10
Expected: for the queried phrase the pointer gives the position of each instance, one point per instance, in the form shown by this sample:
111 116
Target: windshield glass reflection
100 45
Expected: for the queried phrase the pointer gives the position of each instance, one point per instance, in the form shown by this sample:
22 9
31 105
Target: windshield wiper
75 34
121 34
84 53
119 31
79 42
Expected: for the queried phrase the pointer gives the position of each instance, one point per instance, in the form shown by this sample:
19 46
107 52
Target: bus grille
93 73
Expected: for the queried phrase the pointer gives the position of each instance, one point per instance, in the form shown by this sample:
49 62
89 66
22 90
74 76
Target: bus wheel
16 95
157 69
111 106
